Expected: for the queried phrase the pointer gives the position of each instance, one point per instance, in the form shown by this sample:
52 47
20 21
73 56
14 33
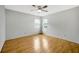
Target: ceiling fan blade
45 6
45 10
34 5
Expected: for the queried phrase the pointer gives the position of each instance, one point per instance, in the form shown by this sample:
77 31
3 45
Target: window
45 23
37 23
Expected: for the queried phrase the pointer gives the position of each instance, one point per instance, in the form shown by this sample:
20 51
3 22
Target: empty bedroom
39 28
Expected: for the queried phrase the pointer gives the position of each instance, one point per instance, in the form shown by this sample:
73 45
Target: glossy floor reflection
39 44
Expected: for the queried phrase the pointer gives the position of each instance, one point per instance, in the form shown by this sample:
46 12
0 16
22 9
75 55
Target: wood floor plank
39 44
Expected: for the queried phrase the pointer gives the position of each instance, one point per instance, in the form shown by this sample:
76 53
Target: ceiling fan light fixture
39 11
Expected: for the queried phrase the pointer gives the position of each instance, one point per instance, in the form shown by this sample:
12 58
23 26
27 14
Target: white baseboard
19 36
64 38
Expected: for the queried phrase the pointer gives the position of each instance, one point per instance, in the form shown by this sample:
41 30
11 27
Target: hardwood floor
39 44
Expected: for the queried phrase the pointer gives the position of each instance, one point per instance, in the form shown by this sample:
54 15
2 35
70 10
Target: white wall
2 26
20 24
64 24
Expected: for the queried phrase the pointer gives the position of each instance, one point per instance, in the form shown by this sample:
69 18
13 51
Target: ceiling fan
40 8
